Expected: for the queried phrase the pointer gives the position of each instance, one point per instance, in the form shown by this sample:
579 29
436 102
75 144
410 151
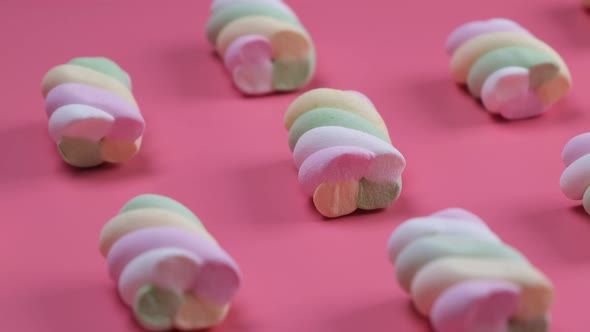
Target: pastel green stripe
155 307
291 75
501 58
375 195
226 15
322 117
159 202
104 66
430 248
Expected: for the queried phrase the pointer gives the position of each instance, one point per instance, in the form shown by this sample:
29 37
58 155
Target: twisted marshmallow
575 180
465 279
264 46
93 116
342 149
515 74
168 268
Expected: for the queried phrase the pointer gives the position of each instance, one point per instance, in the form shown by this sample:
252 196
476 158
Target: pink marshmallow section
128 124
321 138
480 305
576 148
337 163
575 180
247 49
217 267
470 30
507 92
249 60
170 268
342 163
75 120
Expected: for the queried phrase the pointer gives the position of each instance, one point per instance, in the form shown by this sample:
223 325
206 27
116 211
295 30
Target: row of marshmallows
94 118
346 161
340 142
174 275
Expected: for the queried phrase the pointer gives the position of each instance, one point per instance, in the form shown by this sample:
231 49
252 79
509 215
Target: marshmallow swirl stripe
168 268
515 74
462 276
575 180
343 152
93 116
263 45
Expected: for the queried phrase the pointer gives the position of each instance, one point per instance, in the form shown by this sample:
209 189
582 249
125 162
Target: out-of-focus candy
465 279
575 180
514 74
168 268
263 45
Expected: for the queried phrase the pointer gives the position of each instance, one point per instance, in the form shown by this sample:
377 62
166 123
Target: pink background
227 158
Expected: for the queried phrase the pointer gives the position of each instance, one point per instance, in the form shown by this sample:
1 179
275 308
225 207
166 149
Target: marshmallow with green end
168 268
343 151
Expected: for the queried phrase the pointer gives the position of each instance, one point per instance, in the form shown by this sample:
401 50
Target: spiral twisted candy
263 45
575 180
168 268
462 276
342 149
93 116
515 74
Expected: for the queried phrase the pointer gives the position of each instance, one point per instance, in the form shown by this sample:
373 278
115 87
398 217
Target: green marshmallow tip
155 308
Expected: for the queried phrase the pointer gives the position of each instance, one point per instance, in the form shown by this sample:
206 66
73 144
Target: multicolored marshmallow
93 116
263 45
575 180
462 276
515 74
342 149
168 268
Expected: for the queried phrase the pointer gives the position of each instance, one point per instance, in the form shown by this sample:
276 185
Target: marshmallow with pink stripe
342 149
575 179
93 116
512 72
264 46
169 270
465 279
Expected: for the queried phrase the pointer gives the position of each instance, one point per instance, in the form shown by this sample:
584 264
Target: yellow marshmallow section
133 220
288 42
437 276
69 73
332 98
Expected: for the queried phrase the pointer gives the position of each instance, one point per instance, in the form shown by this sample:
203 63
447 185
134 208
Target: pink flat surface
227 158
